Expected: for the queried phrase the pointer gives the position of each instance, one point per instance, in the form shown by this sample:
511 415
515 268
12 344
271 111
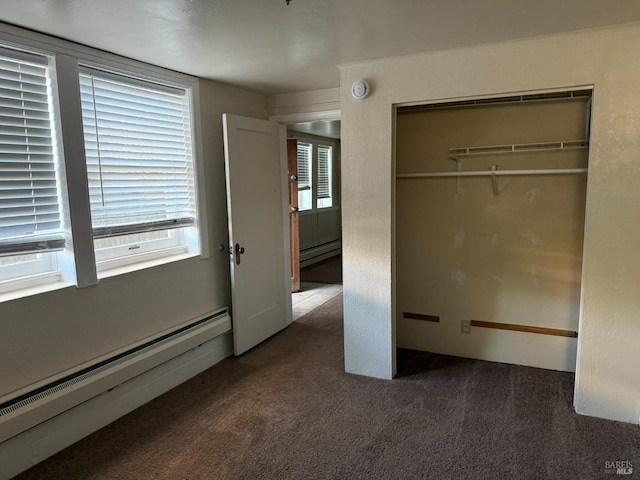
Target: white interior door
257 209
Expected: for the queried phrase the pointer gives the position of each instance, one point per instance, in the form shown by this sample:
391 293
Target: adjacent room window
325 176
305 183
138 142
30 189
315 174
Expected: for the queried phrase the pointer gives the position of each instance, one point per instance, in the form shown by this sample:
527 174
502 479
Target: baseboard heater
318 253
30 409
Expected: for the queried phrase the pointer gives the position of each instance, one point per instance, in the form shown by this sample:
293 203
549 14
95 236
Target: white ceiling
267 46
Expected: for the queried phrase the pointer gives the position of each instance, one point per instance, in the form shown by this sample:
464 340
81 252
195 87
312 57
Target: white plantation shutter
324 171
304 165
139 156
29 191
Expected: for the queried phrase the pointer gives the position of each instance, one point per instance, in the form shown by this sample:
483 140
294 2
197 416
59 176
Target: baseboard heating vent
34 407
317 253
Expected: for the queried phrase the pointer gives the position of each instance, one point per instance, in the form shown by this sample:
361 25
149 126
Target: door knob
238 250
294 209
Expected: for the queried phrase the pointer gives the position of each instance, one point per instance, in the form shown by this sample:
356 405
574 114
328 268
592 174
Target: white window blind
324 171
30 218
139 156
304 165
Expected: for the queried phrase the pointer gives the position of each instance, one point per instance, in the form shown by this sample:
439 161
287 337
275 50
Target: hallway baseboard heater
45 402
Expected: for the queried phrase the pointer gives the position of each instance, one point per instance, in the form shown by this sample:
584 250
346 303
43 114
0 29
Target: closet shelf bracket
494 181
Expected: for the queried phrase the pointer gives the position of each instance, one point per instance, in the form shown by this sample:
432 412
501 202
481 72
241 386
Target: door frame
286 229
289 119
294 216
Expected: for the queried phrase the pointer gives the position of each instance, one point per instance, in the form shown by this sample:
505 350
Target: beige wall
469 254
607 380
317 228
46 334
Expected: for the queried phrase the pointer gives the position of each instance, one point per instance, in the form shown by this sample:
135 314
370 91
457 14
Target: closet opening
489 227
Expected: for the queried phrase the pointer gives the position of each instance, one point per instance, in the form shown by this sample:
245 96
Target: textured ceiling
267 46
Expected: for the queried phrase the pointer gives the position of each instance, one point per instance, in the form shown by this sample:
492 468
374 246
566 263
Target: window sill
47 282
32 285
105 272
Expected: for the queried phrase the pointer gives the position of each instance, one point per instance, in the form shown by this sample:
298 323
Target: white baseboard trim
44 440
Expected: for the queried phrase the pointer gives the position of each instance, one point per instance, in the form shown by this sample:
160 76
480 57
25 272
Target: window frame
105 255
331 175
315 142
77 263
306 189
19 279
138 252
14 272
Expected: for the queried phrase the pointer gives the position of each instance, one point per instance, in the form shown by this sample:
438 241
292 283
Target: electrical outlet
465 327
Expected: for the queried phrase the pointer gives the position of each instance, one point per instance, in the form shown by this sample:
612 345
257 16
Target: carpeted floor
326 271
287 410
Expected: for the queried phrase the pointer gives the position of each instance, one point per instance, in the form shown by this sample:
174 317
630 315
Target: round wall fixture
360 89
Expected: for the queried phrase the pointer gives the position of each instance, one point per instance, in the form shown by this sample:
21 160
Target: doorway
315 212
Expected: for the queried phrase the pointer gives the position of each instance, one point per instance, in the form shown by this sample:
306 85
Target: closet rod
490 173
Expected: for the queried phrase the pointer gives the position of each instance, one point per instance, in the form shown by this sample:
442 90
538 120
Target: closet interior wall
508 252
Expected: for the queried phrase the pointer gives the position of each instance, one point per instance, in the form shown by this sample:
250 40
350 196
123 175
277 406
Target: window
139 157
315 175
325 176
305 194
137 205
30 191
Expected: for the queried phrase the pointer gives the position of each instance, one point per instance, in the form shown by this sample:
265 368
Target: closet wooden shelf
459 154
493 173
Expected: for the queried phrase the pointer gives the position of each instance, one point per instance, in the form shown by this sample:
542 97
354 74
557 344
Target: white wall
44 335
607 379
